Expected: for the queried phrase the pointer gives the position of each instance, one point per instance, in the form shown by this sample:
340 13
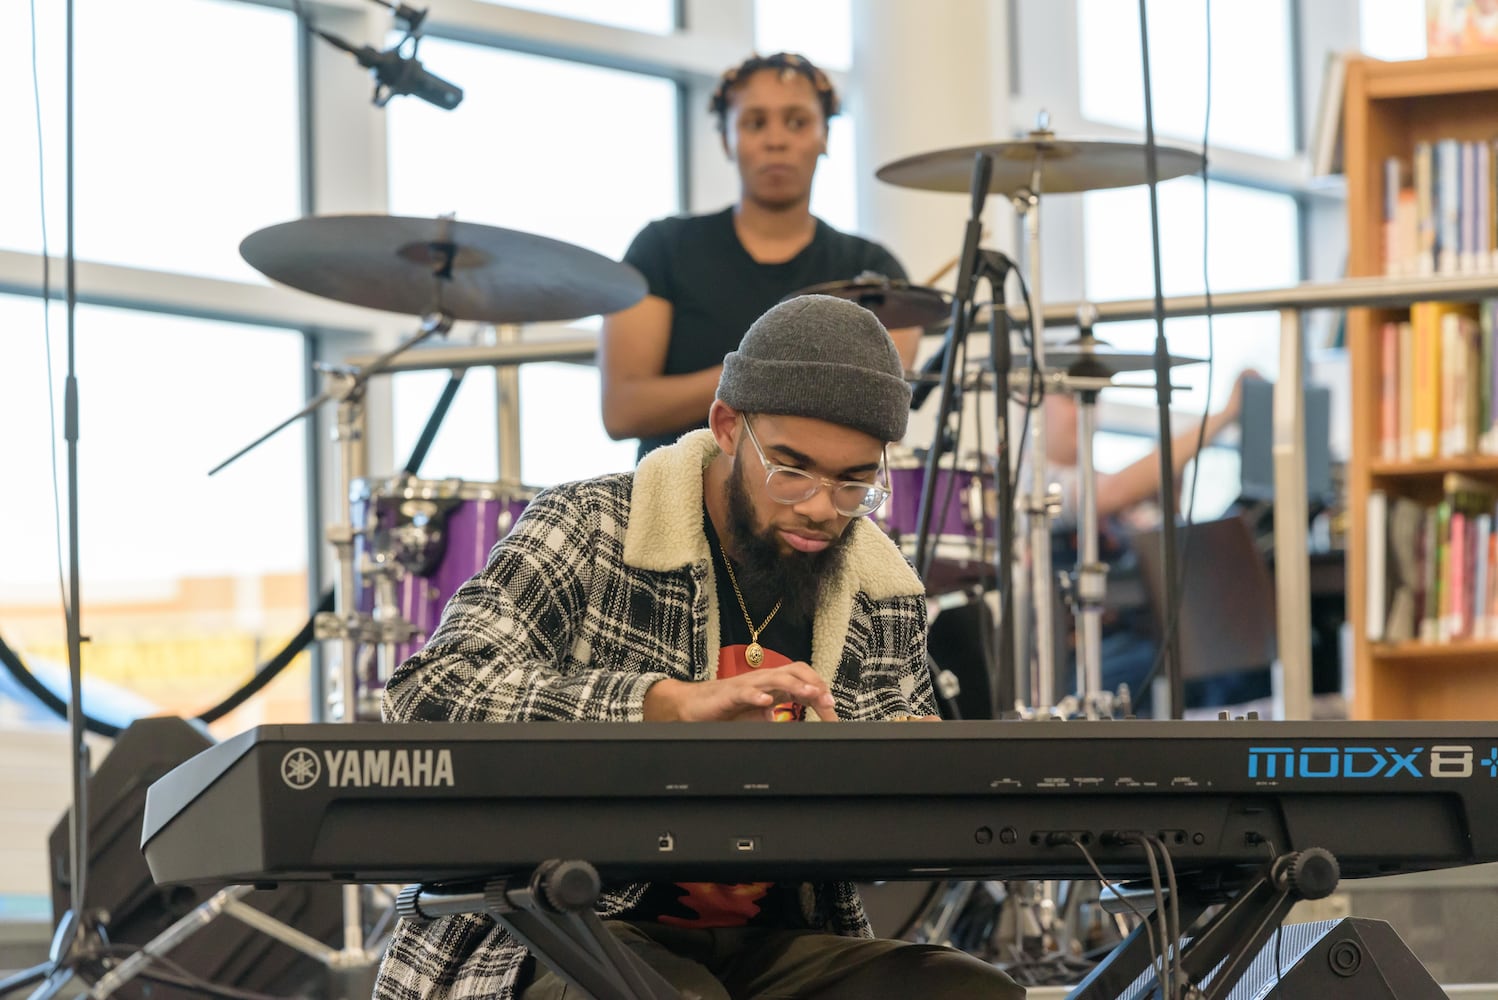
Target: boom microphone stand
78 939
973 264
1171 664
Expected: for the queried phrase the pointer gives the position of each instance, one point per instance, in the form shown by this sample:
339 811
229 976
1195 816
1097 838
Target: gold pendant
755 654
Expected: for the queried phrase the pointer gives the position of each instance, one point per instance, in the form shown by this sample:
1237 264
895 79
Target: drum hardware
897 303
1090 581
420 540
1084 363
442 271
1023 170
974 264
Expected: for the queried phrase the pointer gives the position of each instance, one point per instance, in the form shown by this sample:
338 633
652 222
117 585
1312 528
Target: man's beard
765 573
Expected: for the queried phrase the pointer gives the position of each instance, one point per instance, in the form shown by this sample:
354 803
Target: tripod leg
24 978
53 984
184 928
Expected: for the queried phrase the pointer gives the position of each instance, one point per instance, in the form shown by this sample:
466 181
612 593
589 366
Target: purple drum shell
955 514
472 517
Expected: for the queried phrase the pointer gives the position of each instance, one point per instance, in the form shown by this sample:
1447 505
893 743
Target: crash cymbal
897 303
419 266
1064 164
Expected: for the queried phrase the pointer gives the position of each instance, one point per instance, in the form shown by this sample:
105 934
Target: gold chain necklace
754 652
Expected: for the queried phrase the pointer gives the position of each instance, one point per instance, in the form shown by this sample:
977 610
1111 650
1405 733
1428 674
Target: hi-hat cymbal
1077 361
1053 381
1102 361
418 266
1064 165
897 303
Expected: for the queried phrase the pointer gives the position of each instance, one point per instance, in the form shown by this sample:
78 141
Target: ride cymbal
419 266
1064 165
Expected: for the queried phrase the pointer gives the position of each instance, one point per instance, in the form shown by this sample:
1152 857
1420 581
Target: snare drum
419 541
963 521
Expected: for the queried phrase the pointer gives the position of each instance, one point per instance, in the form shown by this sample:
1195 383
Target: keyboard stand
552 915
1226 944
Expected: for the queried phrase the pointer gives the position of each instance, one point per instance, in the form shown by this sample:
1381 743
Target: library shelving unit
1388 107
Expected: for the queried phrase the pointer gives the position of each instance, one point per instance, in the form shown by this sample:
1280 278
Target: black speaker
224 951
1353 958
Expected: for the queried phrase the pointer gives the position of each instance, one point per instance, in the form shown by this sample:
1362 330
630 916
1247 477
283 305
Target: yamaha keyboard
371 802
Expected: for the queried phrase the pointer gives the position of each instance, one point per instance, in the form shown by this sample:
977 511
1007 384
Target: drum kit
957 513
1034 926
405 544
408 543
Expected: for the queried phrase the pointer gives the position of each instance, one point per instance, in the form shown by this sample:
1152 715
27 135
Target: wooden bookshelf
1389 107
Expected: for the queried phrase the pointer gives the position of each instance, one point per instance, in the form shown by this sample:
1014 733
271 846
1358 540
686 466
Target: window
1252 243
1392 29
179 157
655 16
1251 75
556 168
820 30
188 582
834 191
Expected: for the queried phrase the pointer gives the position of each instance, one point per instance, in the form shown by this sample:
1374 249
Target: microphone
396 74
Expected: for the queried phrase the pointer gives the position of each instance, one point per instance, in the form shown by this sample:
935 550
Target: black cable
1177 940
1167 973
41 184
1034 397
959 361
267 673
42 693
263 675
1034 387
1155 953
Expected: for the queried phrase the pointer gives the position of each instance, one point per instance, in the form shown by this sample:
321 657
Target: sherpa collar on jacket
665 534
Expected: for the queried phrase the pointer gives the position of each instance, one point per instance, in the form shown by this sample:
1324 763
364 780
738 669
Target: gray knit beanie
823 357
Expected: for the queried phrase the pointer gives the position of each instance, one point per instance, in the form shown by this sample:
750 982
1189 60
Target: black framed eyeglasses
850 497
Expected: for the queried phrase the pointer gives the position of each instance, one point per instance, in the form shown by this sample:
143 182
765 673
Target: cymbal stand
1043 503
346 625
1089 584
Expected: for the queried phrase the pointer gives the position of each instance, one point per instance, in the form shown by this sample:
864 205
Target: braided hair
786 64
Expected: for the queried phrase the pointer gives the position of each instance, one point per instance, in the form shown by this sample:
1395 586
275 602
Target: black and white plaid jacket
603 588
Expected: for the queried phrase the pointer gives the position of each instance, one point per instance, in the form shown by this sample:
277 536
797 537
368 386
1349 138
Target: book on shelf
1432 568
1325 144
1440 208
1454 26
1437 382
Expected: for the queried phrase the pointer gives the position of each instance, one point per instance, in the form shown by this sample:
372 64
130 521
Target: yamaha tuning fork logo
302 768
